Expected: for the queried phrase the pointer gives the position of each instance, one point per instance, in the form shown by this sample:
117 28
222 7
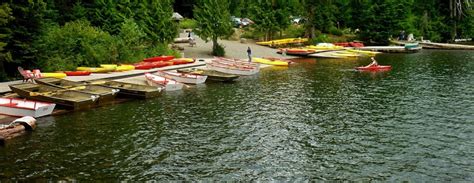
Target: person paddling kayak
374 62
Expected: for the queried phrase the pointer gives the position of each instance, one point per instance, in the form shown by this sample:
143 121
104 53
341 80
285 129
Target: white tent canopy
177 16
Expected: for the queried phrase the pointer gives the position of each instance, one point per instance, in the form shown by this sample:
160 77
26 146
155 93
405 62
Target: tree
154 17
213 19
5 17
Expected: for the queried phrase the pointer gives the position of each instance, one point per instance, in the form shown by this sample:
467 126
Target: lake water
317 120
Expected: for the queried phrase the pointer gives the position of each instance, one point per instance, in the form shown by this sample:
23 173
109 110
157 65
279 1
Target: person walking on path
249 53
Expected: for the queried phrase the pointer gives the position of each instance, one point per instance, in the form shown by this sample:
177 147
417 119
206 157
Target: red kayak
159 58
77 73
374 68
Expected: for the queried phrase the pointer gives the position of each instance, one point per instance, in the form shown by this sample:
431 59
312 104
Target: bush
187 24
219 51
294 31
74 44
130 42
162 49
335 31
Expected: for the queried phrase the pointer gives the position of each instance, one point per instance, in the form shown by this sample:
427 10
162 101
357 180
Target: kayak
270 62
52 75
77 73
189 60
94 69
122 68
159 58
111 67
374 68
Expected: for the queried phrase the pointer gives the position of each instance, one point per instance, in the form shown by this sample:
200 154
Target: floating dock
391 49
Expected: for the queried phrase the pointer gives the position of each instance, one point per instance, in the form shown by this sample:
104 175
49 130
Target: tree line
61 35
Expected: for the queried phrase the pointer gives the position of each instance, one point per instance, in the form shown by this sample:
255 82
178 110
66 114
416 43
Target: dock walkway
114 75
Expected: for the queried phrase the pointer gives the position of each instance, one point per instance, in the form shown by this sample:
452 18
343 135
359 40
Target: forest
61 35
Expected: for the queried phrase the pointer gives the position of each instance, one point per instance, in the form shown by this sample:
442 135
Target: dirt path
233 49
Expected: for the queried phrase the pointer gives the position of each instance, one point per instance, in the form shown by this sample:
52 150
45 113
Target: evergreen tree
154 17
5 56
213 20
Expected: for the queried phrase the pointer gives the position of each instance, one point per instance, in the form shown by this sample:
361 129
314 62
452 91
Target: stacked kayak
270 62
280 42
159 58
77 73
122 68
95 69
296 51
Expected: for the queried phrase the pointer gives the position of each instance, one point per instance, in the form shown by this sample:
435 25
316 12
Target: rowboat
183 77
16 128
77 73
270 62
95 69
158 58
21 107
232 68
374 68
211 74
236 62
106 94
130 89
169 84
69 98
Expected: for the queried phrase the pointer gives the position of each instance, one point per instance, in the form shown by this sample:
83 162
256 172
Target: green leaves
213 20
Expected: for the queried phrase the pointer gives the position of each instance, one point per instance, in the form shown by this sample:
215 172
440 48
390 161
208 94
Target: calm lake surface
317 120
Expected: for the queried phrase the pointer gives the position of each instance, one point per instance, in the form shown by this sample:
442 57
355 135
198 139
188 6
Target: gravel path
233 49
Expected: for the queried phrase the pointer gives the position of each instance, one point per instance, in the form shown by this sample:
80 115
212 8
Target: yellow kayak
58 75
111 67
270 62
283 41
122 68
369 53
95 69
324 47
345 54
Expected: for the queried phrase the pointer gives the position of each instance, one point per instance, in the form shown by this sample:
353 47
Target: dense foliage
60 35
373 20
213 22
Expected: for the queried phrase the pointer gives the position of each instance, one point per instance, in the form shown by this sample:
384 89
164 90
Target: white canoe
183 77
20 107
169 84
232 69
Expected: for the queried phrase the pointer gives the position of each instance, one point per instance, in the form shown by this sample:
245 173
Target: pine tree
213 20
5 56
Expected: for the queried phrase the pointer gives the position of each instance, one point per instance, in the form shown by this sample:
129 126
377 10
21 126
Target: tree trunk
214 44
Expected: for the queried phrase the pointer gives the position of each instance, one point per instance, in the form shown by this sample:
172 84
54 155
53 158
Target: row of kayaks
280 42
148 63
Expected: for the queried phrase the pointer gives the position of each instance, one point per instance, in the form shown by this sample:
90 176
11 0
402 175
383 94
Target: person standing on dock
249 53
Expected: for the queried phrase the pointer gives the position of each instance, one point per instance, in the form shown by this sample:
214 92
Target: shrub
335 31
219 51
162 49
74 44
294 31
130 42
187 24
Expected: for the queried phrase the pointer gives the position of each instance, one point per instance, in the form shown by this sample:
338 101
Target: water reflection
312 120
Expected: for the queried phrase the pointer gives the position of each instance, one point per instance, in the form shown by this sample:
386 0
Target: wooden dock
391 49
446 46
114 75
